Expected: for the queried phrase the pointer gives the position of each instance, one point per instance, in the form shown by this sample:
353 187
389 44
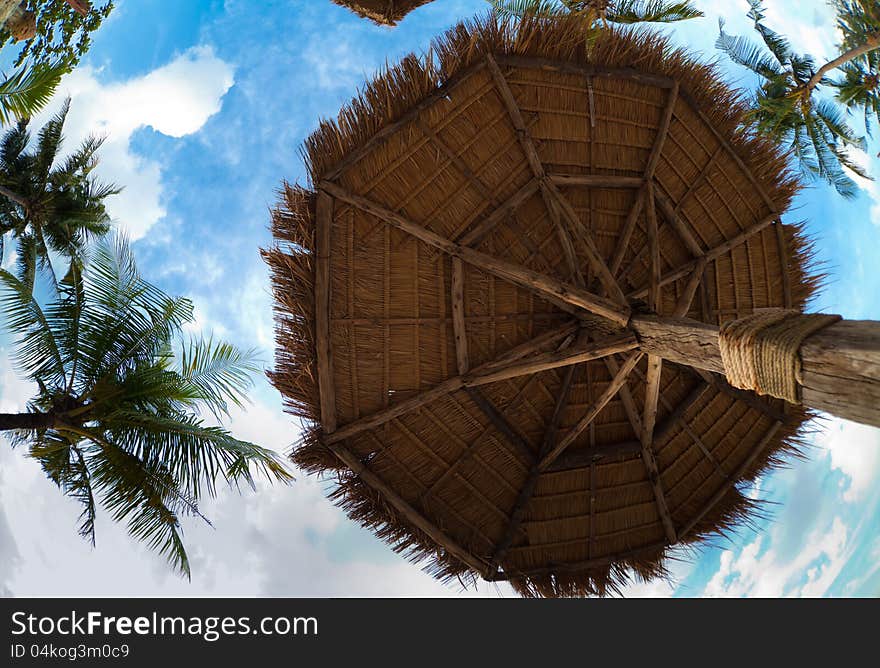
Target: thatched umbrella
498 313
385 12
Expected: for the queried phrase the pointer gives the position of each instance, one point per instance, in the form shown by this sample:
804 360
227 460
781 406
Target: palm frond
219 372
651 11
27 90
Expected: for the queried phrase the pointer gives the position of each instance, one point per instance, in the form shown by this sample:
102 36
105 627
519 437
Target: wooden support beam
387 131
678 224
737 475
481 229
516 117
458 326
490 373
584 457
711 254
783 261
537 344
626 232
683 305
592 412
595 71
626 398
528 489
565 240
669 424
662 132
701 178
678 412
541 284
649 418
596 180
653 251
507 430
577 229
407 511
456 160
326 389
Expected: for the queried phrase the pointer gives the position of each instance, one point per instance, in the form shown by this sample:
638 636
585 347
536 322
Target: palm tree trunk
10 421
852 54
840 365
14 197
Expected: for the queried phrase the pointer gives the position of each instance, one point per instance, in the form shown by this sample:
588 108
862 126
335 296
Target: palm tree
604 11
46 203
116 419
786 106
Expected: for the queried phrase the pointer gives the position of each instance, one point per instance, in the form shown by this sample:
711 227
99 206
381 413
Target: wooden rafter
683 305
670 422
595 180
680 226
456 160
501 424
662 132
592 412
326 390
489 374
528 489
735 476
626 232
481 229
653 251
649 418
583 458
701 178
711 254
546 286
458 323
594 71
578 230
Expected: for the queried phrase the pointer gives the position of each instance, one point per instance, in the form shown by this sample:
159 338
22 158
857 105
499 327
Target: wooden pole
840 364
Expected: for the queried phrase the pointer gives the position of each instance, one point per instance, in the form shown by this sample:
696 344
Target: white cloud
854 450
759 570
175 100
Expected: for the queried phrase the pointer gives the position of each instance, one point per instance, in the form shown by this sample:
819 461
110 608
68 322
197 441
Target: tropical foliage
48 203
789 106
64 31
28 89
602 11
117 417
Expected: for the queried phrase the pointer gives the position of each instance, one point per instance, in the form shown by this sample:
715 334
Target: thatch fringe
383 12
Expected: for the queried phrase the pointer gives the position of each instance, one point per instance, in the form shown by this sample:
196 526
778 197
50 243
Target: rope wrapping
761 352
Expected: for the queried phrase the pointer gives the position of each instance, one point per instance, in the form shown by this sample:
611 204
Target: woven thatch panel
386 12
435 143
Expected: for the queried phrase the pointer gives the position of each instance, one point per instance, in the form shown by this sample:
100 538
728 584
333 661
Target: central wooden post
840 364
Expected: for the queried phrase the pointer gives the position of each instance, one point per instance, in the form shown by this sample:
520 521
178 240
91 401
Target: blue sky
206 104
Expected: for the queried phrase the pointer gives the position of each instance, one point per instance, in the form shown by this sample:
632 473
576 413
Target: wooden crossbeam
592 412
783 260
326 389
577 229
595 71
678 223
711 254
502 424
662 132
564 236
649 417
546 286
481 229
531 482
584 457
701 178
456 160
670 422
626 232
596 180
686 298
458 324
489 374
676 413
653 251
516 117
